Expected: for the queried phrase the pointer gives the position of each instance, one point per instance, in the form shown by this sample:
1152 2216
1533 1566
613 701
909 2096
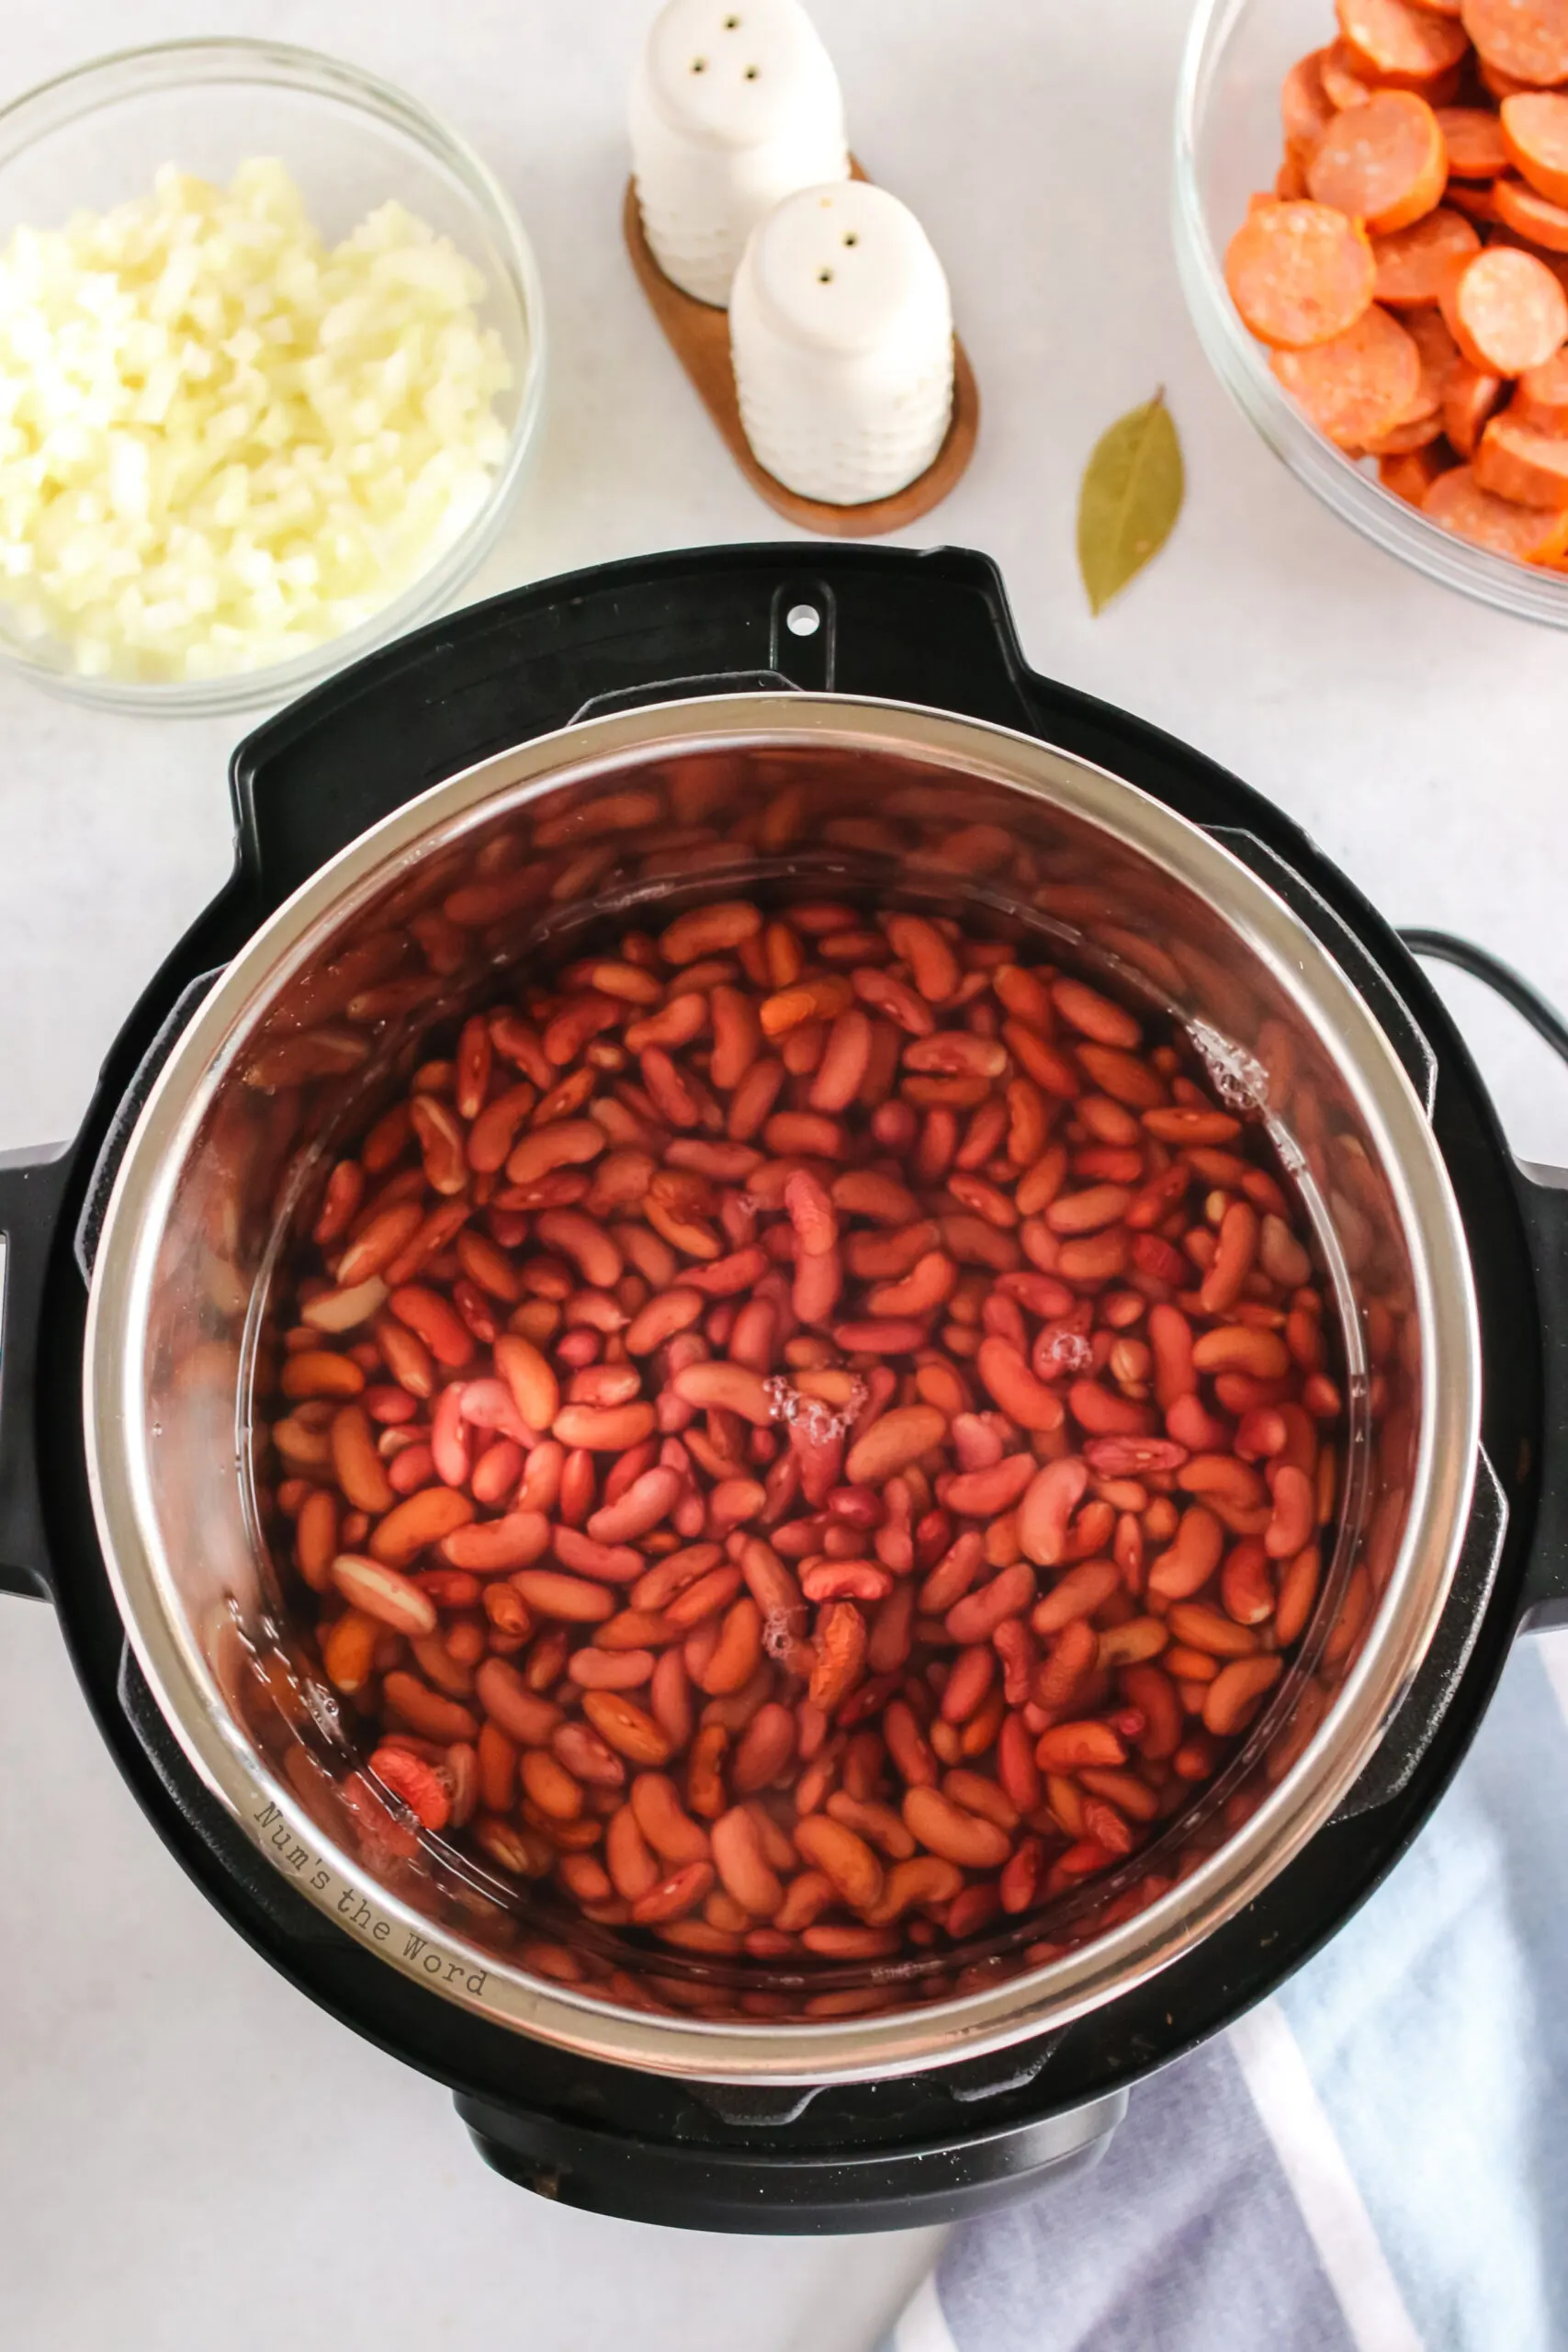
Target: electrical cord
1511 986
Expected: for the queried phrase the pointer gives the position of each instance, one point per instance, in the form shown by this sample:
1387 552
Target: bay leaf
1131 496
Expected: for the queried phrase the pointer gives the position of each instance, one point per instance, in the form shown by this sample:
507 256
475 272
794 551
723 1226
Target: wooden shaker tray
698 334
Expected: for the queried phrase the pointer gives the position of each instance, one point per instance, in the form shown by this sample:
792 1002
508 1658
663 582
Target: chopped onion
223 442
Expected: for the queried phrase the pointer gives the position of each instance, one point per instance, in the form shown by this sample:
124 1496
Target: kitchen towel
1376 2160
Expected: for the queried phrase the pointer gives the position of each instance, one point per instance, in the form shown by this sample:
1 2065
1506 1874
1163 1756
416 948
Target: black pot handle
31 1190
1543 1202
1543 1196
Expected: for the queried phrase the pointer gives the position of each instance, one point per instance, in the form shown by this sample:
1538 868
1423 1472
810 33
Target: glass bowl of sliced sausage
1372 208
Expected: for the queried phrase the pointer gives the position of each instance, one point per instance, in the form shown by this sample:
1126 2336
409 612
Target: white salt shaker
735 104
840 329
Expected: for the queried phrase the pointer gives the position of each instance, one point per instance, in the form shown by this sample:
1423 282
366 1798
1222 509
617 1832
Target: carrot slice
1440 356
1528 534
1469 398
1423 420
1530 214
1473 138
1475 202
1534 127
1540 396
1499 233
1397 45
1413 262
1299 274
1347 84
1411 476
1304 106
1526 39
1515 461
1556 263
1505 311
1501 84
1417 434
1342 84
1383 162
1361 385
1289 182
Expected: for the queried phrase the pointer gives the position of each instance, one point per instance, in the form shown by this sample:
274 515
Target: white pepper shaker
735 104
840 329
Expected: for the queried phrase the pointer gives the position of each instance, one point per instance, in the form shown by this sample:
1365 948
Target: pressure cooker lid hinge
1003 2070
971 2083
755 2106
1334 933
687 689
1415 1722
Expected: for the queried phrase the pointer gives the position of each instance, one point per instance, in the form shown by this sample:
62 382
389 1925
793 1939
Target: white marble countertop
189 2153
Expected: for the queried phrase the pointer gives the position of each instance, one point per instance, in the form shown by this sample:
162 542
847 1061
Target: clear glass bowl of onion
1228 145
378 417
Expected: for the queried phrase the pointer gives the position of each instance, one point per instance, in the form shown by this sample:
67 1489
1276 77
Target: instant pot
785 719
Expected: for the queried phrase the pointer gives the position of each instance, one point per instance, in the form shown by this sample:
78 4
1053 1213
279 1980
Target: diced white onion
222 442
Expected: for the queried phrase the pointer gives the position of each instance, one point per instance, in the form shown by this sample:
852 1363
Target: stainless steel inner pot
626 818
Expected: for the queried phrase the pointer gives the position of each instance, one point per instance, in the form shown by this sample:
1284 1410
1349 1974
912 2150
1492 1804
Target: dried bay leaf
1132 494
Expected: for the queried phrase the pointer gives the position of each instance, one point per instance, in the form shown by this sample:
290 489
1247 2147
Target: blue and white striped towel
1374 2161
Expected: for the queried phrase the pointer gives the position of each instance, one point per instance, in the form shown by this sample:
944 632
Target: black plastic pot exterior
927 628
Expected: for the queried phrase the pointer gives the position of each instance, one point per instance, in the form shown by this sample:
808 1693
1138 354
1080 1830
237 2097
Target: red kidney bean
979 1615
1046 1510
813 1461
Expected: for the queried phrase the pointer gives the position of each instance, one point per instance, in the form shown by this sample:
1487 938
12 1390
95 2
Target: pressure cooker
873 700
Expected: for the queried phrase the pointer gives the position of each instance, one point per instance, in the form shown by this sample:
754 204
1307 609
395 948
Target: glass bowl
96 137
1228 143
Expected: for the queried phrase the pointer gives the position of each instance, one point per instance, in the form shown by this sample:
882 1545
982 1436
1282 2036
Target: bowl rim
144 69
1527 592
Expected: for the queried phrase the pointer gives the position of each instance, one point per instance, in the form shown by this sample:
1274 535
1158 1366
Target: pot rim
901 2040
